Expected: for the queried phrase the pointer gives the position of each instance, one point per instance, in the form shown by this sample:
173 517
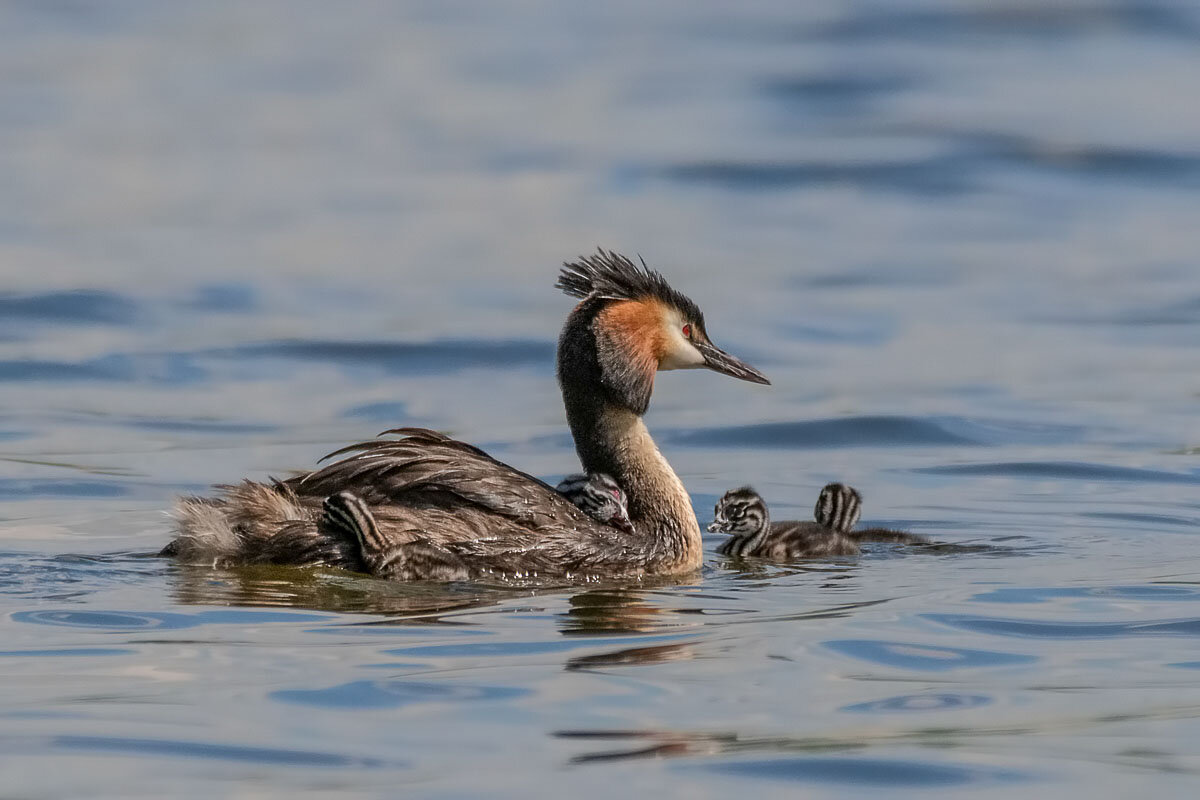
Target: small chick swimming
743 514
839 507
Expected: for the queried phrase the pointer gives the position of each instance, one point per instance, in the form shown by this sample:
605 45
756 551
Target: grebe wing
425 490
429 470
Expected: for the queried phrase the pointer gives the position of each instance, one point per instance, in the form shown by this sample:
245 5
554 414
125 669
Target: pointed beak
718 360
715 527
622 524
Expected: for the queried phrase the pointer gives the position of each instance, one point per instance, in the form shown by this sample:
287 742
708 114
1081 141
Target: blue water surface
959 237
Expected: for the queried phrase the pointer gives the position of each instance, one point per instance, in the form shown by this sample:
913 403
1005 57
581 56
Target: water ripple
879 431
158 620
1041 594
905 655
1072 470
393 694
870 332
837 432
474 649
1049 20
930 177
27 488
210 426
106 620
183 368
42 370
171 369
437 357
225 298
1142 519
217 752
78 307
945 701
833 91
1061 629
68 576
383 412
67 651
874 772
969 159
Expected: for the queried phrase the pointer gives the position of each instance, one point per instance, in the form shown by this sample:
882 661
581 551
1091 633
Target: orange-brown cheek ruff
637 325
631 343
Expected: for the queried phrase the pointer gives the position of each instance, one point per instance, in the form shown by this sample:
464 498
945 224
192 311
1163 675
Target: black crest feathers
612 276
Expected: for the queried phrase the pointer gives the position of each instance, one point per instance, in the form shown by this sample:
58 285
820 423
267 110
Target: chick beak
622 524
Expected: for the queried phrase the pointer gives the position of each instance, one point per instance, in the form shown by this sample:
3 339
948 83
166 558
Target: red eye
616 494
687 331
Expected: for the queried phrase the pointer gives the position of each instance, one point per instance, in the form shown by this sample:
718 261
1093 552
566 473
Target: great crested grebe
598 496
743 514
440 506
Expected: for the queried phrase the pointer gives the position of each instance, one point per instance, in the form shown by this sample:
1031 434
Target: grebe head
741 513
838 507
598 496
640 325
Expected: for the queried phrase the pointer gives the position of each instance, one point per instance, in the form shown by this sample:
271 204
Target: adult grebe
435 501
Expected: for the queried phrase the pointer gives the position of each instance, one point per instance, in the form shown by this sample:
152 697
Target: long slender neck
610 437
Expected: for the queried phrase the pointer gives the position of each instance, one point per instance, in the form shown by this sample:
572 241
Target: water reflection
325 590
617 608
613 611
634 656
726 752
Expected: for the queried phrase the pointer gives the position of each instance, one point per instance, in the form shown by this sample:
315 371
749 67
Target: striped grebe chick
436 501
598 496
839 507
743 514
345 518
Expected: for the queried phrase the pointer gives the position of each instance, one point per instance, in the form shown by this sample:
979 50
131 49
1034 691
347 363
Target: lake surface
960 239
